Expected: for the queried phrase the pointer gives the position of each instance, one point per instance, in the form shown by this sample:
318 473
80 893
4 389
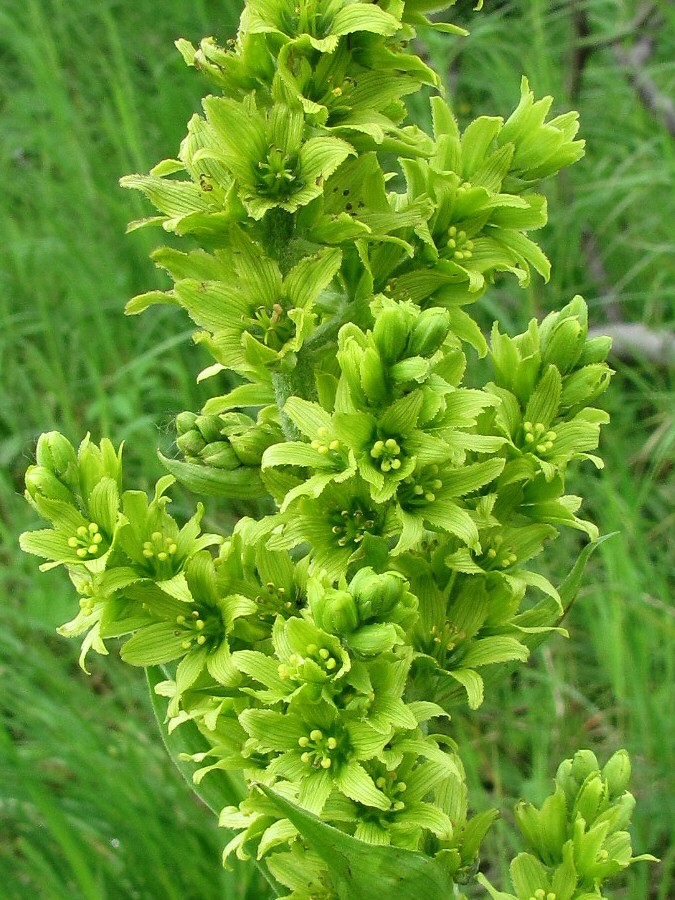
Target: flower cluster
578 838
317 654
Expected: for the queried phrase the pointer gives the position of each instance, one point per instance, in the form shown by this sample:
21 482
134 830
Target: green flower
428 499
308 663
265 318
410 816
272 163
315 23
319 749
331 459
150 538
334 526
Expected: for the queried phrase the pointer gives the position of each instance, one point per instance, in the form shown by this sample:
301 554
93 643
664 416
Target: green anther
172 549
324 653
429 497
398 805
325 763
305 757
401 786
303 741
156 536
82 553
331 743
311 649
381 782
201 639
73 542
391 444
437 484
186 645
334 445
293 659
180 620
92 549
93 527
331 663
396 464
147 553
492 553
529 438
199 624
82 531
418 490
316 735
162 556
97 538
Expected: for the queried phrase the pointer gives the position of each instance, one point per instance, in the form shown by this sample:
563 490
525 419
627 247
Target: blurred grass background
90 807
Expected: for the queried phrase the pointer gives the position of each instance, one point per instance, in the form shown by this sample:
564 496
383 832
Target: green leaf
361 871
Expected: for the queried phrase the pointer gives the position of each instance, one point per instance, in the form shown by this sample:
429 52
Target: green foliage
408 502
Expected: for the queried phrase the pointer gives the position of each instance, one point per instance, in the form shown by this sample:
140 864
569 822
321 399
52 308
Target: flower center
496 554
272 325
87 542
278 175
537 439
296 670
419 488
459 246
318 749
160 552
323 443
351 526
387 455
199 628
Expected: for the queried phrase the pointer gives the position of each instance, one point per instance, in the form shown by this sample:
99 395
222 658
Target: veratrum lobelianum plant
308 662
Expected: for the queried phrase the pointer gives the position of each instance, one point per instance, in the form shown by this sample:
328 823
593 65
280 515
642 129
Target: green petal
364 17
307 416
272 730
450 517
356 784
528 875
154 645
490 650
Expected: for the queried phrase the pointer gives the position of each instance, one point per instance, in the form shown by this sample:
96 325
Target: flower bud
336 612
390 333
56 453
373 380
252 443
40 481
376 595
595 350
220 455
185 422
190 443
415 368
617 773
585 385
429 331
591 799
96 462
584 763
210 428
564 345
